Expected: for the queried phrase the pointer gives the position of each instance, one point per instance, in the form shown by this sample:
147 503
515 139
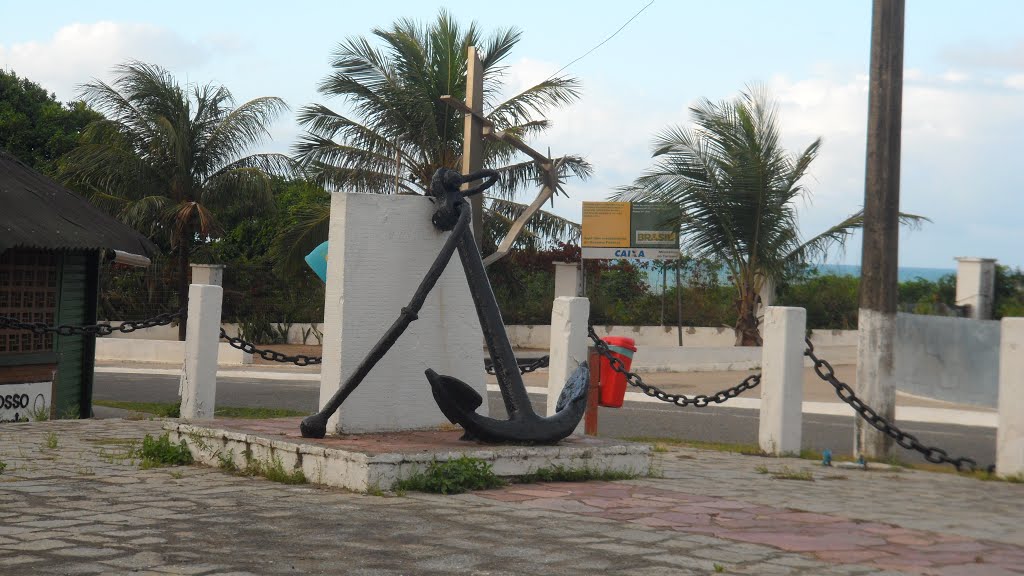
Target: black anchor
457 400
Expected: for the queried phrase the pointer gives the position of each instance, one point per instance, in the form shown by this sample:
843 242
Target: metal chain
700 400
271 355
907 440
101 329
525 366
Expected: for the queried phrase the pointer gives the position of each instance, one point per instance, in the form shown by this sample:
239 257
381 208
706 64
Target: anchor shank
510 381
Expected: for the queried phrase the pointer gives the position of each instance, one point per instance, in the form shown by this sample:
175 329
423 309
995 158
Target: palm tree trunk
183 273
747 333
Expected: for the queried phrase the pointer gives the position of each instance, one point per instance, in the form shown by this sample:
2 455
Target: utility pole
472 137
879 259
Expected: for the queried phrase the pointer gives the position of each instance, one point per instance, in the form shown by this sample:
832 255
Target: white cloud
1015 81
79 52
956 133
955 77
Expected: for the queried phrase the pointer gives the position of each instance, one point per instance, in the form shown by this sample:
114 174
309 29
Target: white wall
951 359
171 333
163 351
537 336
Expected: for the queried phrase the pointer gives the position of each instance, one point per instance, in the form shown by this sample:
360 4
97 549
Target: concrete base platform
362 462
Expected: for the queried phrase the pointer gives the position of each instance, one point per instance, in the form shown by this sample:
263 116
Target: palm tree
737 190
166 157
399 132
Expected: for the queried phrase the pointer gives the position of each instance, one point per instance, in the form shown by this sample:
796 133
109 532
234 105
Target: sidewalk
82 508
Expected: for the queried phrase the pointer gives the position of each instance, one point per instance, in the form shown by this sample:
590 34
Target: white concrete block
569 343
782 368
380 247
211 274
975 285
568 279
1010 437
198 384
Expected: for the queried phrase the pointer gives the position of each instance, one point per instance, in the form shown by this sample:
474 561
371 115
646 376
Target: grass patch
157 452
169 410
664 443
452 477
786 473
257 413
3 466
40 414
563 474
162 409
226 462
51 441
112 441
274 471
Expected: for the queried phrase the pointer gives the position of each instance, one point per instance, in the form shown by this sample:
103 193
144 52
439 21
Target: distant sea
905 273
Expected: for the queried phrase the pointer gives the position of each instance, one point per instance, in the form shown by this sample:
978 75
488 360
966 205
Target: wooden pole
472 137
679 306
879 259
594 390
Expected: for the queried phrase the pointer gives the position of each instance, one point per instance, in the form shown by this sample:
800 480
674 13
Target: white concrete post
211 274
782 368
198 384
568 279
976 285
568 345
1010 435
381 246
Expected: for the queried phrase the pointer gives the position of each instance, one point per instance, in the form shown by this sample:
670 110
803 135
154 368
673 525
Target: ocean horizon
904 274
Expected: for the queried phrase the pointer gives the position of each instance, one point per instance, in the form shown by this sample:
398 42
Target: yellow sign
605 224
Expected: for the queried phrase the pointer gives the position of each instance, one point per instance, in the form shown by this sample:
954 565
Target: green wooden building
52 242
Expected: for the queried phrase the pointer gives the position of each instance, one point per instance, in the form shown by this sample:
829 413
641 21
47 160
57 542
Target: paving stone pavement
84 508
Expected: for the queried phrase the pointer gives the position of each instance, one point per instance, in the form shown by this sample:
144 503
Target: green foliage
226 462
156 452
738 190
831 301
34 126
3 466
169 159
452 477
398 132
51 441
274 471
1009 292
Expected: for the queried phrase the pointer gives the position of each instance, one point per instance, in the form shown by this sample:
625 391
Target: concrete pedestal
380 248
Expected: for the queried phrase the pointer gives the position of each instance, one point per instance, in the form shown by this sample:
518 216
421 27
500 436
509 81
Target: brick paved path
82 508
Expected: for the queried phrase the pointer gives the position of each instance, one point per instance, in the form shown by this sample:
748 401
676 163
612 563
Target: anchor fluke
453 398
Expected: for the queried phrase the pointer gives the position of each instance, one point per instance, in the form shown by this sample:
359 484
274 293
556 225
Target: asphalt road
713 424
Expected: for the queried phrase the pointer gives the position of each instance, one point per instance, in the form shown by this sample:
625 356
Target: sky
963 101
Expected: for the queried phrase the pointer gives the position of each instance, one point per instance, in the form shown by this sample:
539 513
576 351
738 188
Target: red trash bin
613 384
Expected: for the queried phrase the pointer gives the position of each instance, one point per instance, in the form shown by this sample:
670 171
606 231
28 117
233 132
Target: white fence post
1010 436
782 369
198 385
568 344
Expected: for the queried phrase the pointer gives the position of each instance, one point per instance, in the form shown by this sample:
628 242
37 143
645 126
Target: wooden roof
37 212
